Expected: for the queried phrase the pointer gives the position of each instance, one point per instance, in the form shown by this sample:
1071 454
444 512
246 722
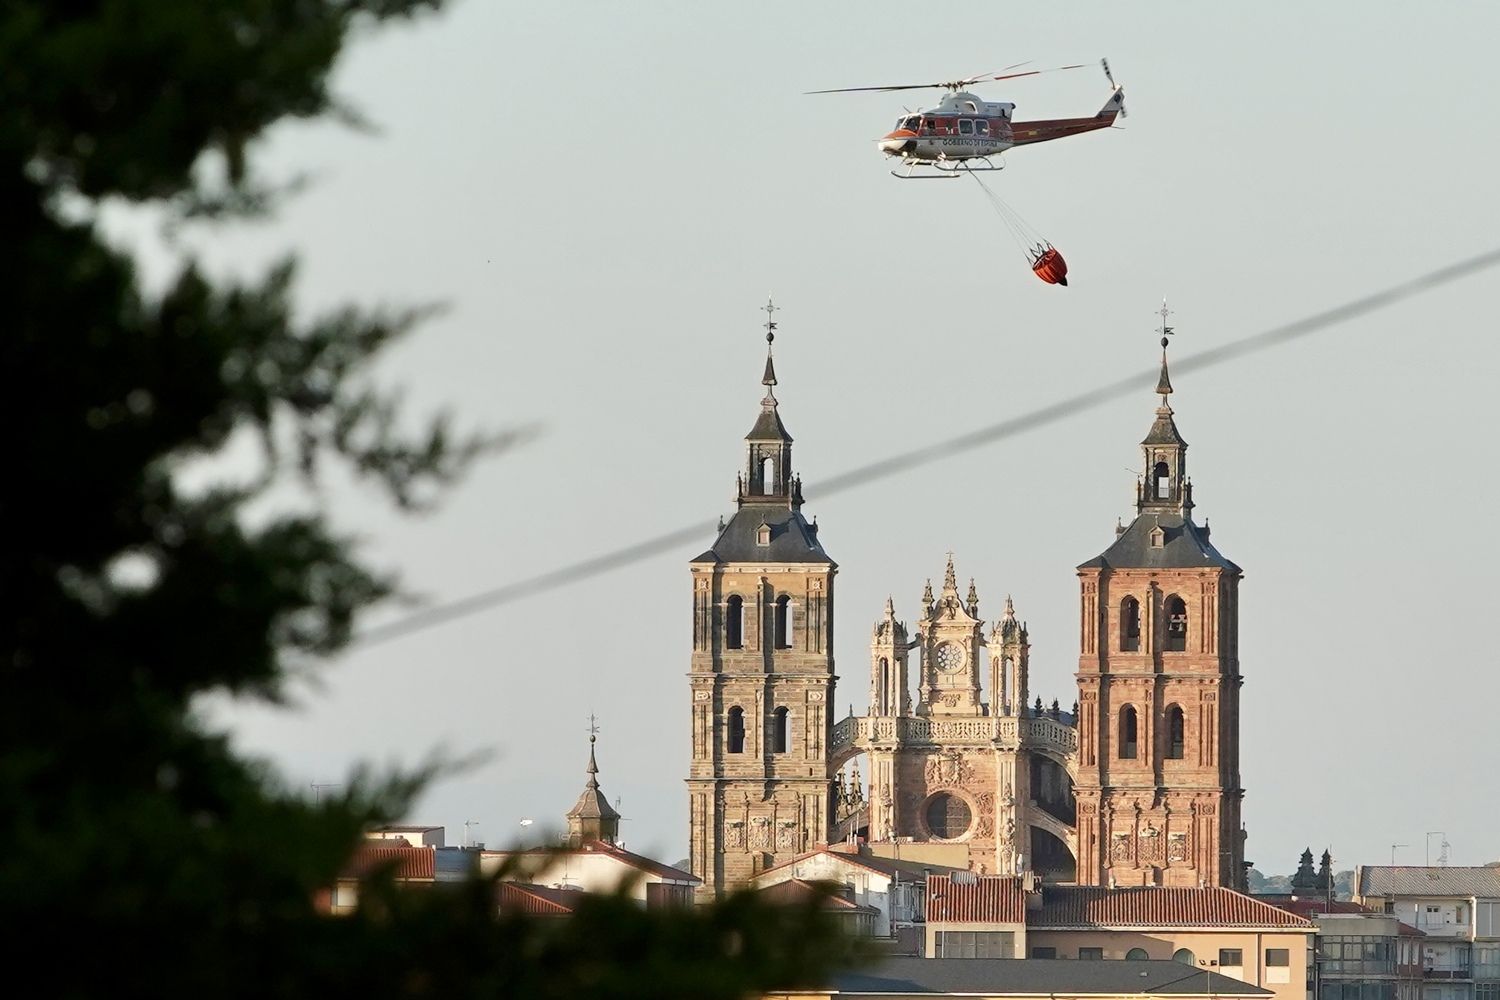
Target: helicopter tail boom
1027 133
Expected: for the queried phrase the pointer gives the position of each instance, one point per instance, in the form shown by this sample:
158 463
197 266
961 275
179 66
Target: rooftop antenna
1393 852
318 787
469 825
1442 850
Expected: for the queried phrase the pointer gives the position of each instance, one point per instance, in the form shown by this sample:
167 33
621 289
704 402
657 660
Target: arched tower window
734 622
1177 623
1175 732
1130 625
885 682
1161 481
768 475
783 622
781 736
736 734
1127 733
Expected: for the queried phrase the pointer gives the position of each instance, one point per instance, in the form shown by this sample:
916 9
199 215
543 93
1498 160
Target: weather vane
1166 331
770 309
593 728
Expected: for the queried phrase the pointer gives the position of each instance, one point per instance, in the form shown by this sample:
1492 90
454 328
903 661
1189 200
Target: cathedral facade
1137 785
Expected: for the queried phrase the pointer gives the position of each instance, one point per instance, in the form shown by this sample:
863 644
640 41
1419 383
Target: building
1001 979
407 866
590 860
1458 911
1360 954
1139 785
895 889
762 681
412 836
1158 779
1210 928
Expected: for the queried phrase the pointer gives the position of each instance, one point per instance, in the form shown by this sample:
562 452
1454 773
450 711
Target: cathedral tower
761 677
1158 786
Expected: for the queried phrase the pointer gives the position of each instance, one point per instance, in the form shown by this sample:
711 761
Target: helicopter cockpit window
910 123
965 127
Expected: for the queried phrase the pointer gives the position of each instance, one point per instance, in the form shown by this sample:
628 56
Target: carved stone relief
948 769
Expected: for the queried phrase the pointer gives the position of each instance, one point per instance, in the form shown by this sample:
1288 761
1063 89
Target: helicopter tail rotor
1114 86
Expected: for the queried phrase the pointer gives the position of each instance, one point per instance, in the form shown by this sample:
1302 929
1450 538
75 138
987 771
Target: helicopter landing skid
946 169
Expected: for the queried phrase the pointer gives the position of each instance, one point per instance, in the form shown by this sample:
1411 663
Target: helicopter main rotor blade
1035 72
903 86
950 84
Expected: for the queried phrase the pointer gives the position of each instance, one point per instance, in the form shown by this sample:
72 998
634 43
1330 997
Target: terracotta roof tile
967 897
1157 906
407 862
522 897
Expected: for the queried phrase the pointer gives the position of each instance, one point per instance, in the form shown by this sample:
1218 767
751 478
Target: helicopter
964 131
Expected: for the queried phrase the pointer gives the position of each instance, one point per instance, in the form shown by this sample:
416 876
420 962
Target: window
1044 953
976 944
1278 966
1175 729
1137 955
736 730
1161 481
1127 733
734 622
1232 957
1130 625
781 736
981 127
1091 954
1176 624
1487 919
783 622
1185 956
965 127
948 816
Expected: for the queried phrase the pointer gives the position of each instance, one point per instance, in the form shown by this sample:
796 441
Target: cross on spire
1164 383
770 309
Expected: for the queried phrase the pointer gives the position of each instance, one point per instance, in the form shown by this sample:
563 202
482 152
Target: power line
939 450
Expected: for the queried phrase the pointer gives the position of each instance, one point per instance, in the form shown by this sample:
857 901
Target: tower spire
769 379
1164 383
1164 487
593 818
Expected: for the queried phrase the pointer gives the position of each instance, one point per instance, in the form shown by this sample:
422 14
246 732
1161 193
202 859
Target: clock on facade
950 656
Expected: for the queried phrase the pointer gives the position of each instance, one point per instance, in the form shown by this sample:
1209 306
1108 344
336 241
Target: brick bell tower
1158 787
761 678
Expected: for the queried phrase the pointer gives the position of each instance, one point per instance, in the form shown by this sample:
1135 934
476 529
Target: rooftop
1382 880
793 539
403 862
1158 906
1037 977
1184 545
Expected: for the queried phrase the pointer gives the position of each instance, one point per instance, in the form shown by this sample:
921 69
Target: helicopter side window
981 127
965 127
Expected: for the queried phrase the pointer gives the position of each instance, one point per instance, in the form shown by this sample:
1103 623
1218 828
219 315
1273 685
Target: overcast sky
603 194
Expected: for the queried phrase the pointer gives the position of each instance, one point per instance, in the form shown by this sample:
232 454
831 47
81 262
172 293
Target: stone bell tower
1158 788
761 674
952 636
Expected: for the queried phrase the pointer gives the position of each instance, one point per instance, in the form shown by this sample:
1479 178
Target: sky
603 195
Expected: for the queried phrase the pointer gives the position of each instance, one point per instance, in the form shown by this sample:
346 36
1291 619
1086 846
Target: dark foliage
136 842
